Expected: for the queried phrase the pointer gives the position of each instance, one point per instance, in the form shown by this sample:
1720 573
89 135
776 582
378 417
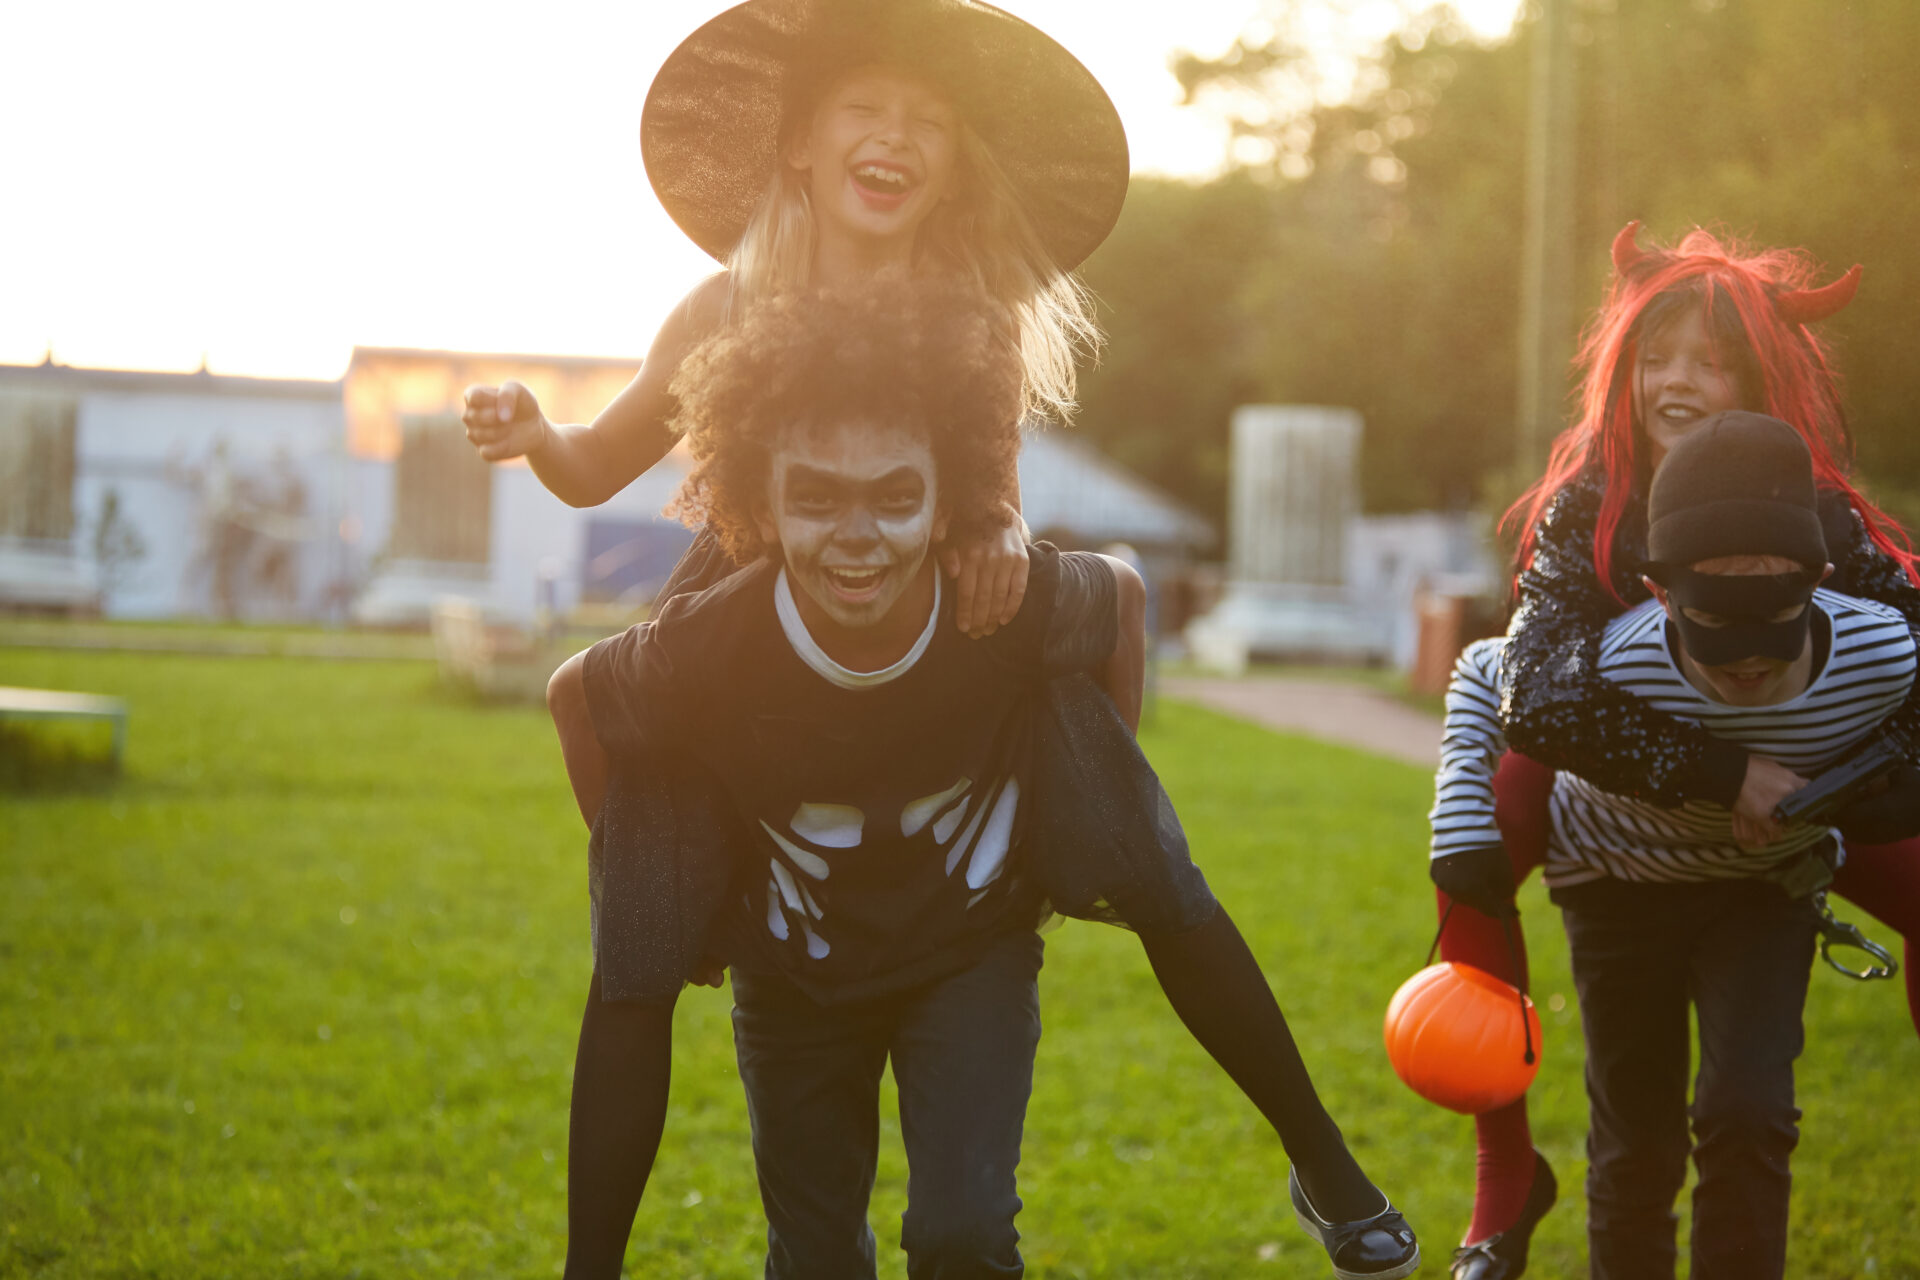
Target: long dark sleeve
1861 568
1558 708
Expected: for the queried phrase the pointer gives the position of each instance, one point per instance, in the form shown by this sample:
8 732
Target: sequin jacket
1558 708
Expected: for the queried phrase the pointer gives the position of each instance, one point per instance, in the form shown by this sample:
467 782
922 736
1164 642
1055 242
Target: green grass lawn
298 997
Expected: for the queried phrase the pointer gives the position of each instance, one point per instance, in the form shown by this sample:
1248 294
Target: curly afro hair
933 356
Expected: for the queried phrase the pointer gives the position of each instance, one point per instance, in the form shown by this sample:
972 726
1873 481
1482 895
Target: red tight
1883 880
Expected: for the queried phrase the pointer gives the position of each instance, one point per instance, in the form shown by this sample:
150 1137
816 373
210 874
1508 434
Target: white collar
814 656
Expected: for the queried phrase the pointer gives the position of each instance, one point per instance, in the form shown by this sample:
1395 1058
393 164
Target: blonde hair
982 235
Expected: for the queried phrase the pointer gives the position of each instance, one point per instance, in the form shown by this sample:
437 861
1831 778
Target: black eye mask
1745 603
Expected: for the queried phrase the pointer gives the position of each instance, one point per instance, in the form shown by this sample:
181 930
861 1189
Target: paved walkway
1346 713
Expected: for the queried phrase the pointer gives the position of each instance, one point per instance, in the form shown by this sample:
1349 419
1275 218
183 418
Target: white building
162 494
159 495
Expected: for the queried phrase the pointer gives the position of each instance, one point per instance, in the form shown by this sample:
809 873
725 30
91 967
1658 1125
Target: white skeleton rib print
975 837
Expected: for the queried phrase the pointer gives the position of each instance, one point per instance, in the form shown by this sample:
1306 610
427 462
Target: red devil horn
1804 306
1626 251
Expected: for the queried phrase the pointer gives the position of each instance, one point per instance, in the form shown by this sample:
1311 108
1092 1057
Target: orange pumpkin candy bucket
1462 1038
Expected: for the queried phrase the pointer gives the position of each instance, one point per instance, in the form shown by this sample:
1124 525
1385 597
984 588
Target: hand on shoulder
990 577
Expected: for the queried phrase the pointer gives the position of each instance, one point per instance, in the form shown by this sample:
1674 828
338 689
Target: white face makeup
879 155
855 508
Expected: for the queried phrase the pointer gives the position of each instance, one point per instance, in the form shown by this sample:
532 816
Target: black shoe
1504 1256
1382 1247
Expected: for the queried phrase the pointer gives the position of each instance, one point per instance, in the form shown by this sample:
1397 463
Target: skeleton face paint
855 509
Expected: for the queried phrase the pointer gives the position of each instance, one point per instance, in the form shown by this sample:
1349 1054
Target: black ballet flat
1382 1247
1504 1256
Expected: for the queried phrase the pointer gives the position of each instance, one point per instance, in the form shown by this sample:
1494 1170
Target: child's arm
1559 709
1468 861
583 466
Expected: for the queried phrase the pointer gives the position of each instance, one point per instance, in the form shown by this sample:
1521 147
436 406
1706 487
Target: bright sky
268 184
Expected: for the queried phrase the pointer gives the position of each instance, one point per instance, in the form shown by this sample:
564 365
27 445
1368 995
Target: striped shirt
1470 750
1867 673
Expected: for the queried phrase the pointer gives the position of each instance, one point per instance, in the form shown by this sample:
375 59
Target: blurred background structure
1308 576
163 495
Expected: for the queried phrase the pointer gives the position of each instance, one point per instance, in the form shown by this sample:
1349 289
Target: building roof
1067 486
437 355
65 379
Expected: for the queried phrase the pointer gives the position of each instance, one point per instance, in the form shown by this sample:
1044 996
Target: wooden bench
50 704
496 661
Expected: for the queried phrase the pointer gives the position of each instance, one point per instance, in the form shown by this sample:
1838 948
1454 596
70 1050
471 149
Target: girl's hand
504 421
1768 782
992 578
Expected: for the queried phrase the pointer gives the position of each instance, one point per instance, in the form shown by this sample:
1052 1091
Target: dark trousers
1740 951
962 1051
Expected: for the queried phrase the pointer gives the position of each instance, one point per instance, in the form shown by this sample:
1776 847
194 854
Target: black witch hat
720 108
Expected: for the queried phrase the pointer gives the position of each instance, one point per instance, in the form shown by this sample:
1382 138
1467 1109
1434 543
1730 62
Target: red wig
1757 305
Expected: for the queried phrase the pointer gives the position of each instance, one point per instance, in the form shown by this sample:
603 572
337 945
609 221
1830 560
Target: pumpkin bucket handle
1513 954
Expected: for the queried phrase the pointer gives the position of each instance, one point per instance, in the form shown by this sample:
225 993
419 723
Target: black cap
1739 484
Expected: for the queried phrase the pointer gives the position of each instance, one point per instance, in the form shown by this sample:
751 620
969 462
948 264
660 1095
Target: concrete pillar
1295 490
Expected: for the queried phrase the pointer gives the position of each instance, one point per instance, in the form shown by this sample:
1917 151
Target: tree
1366 252
117 544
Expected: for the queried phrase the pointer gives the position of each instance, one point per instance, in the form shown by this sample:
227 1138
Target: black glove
1886 816
1479 878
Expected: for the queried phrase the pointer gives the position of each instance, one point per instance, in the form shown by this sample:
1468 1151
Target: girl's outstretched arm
583 466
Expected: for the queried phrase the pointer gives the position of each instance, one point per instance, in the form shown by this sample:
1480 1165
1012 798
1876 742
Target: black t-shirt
881 825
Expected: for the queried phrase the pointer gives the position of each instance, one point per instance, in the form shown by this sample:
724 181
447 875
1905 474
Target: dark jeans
962 1051
1740 951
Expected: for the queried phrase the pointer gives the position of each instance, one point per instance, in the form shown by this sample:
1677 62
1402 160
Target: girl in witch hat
819 143
1684 332
786 138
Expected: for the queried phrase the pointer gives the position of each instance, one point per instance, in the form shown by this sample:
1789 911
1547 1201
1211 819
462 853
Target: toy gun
1847 780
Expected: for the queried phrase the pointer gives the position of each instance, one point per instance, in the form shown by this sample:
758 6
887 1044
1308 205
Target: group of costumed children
871 736
1658 789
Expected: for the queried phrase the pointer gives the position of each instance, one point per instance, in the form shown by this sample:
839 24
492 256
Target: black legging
1216 986
620 1078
